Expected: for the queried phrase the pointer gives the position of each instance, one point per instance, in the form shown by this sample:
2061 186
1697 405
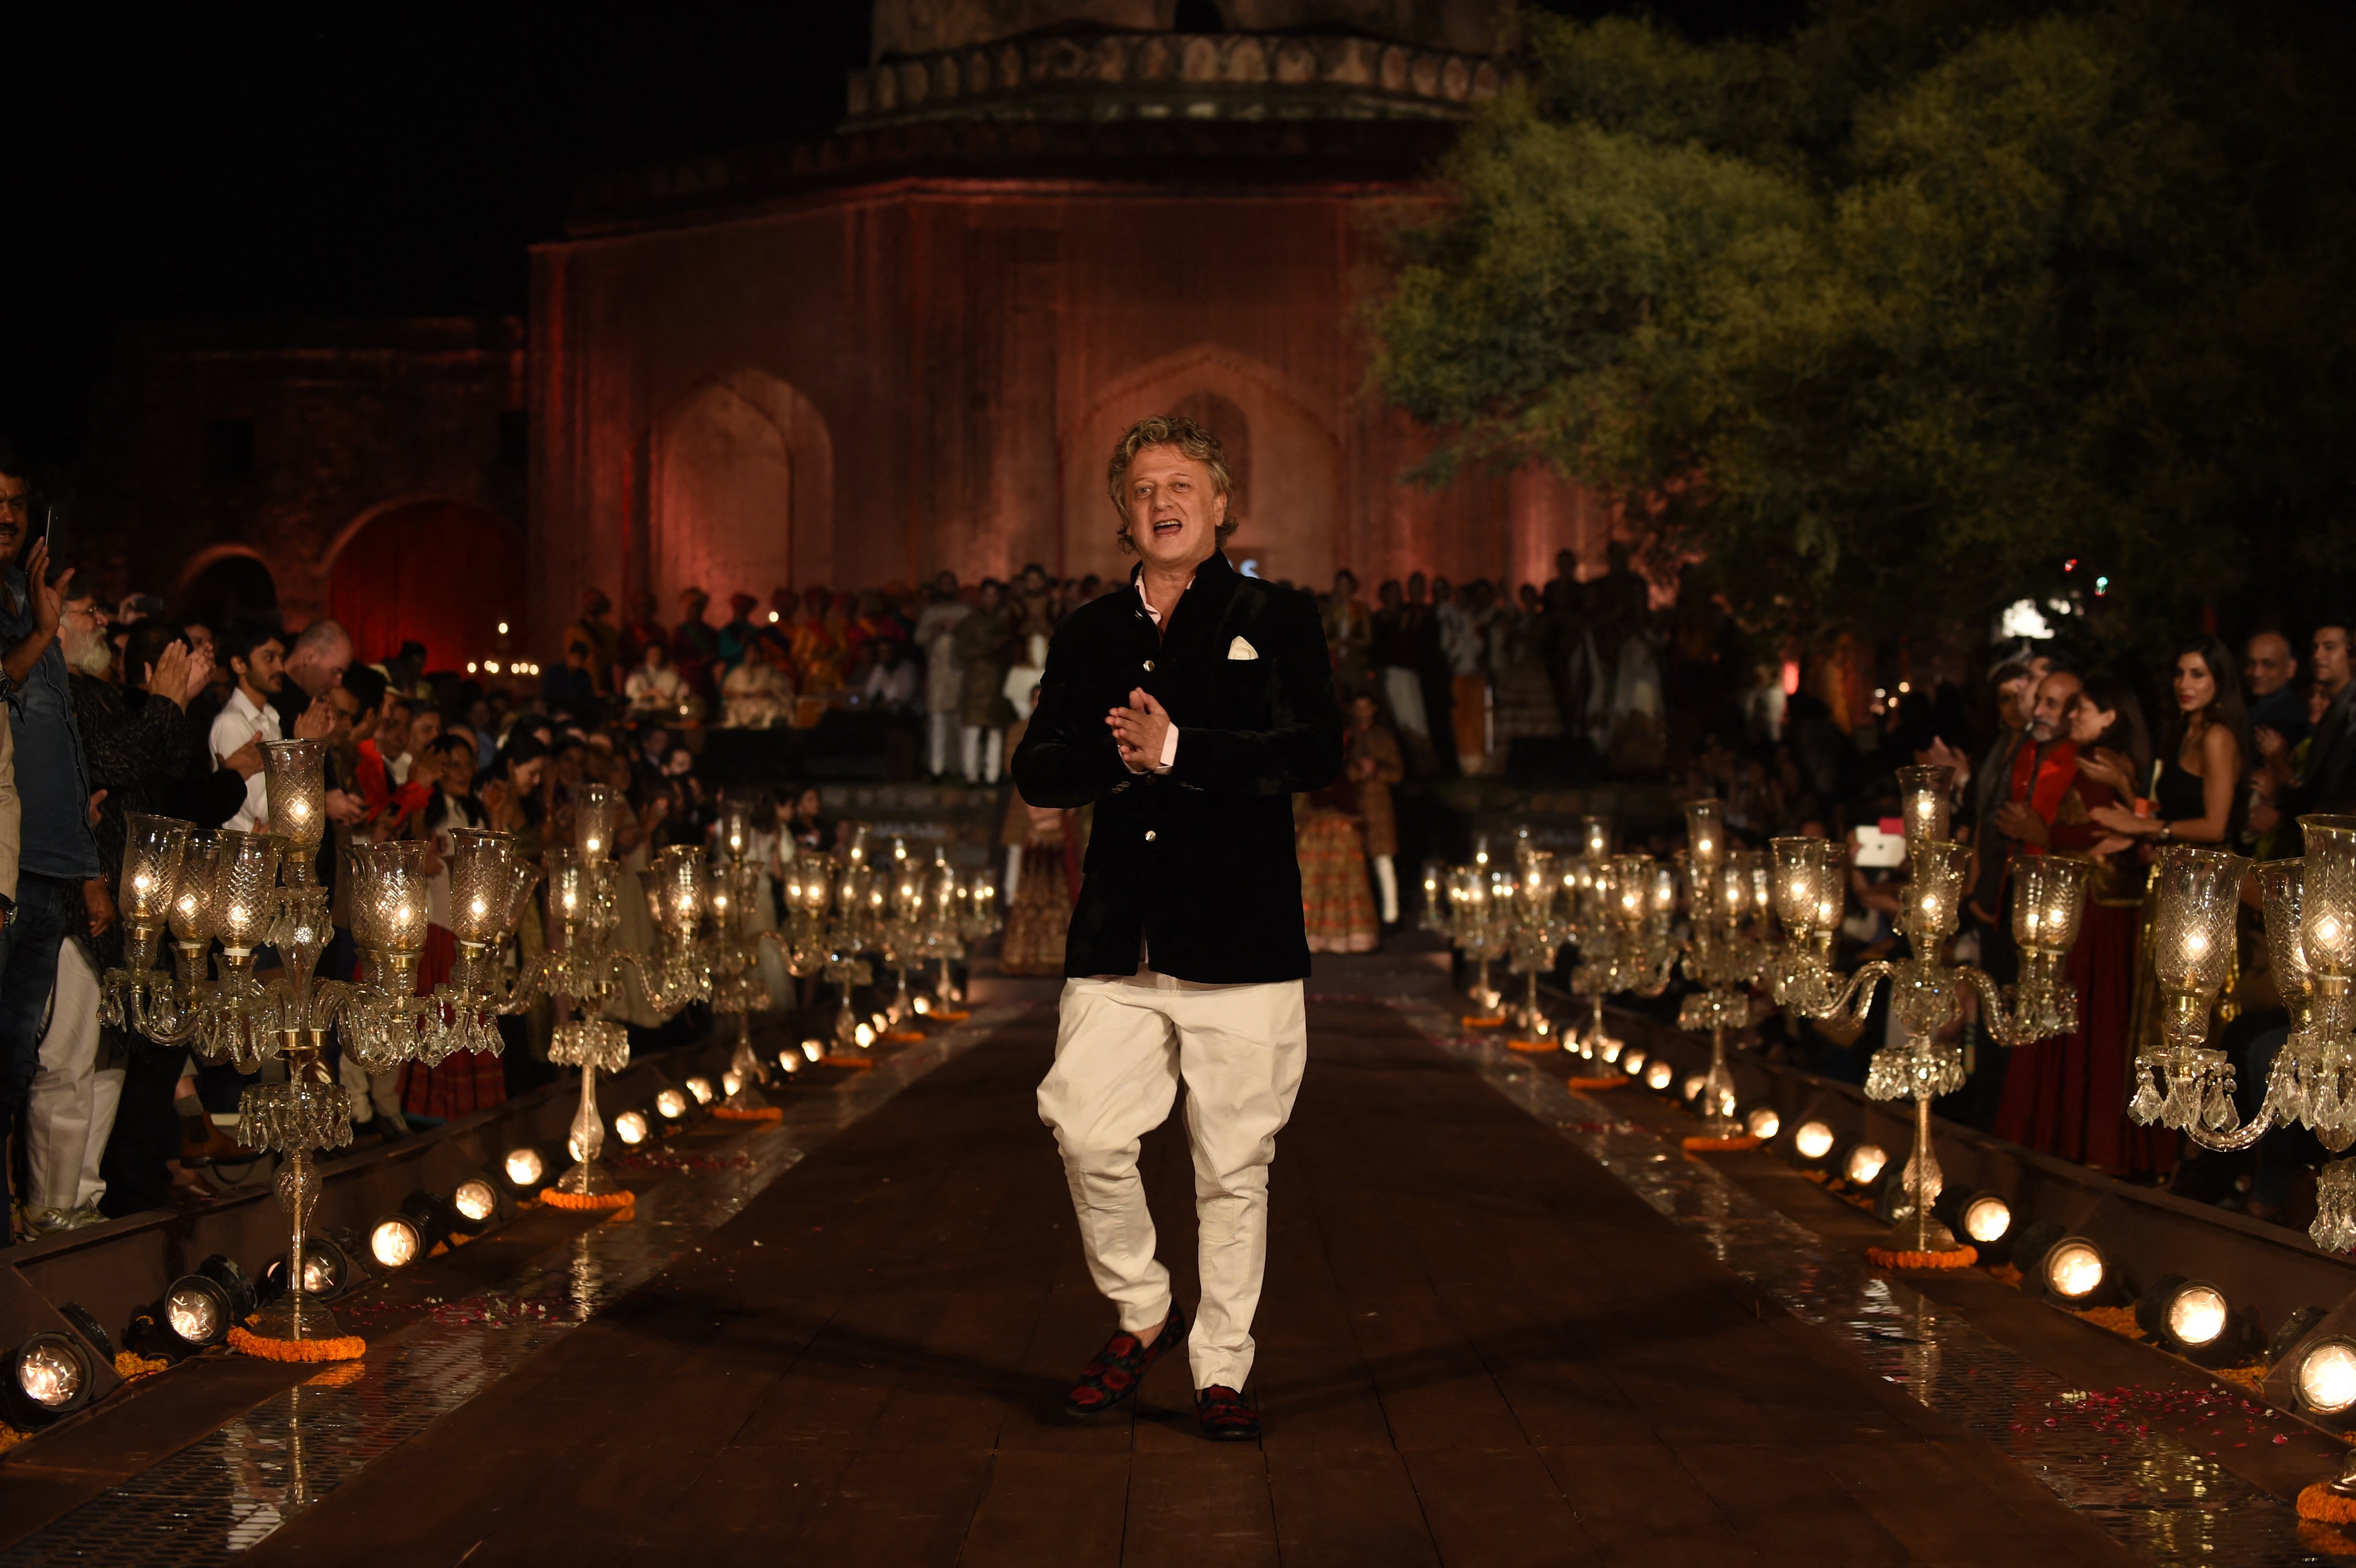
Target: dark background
254 164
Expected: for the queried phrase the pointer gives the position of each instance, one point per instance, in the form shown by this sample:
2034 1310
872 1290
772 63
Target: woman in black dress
2197 785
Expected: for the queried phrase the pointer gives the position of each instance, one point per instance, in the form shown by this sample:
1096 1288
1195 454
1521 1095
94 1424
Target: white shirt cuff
1169 750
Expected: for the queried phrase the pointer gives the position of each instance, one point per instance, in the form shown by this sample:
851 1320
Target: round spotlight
1813 1141
1764 1123
476 1200
1694 1084
813 1049
1612 1052
671 1104
50 1377
395 1241
924 1006
879 1021
789 1061
730 1082
702 1089
196 1311
230 1276
2326 1377
525 1168
1657 1075
1636 1063
1864 1164
2075 1268
864 1036
2197 1315
630 1126
1987 1219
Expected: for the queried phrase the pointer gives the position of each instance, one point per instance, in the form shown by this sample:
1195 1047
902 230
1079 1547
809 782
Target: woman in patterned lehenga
1331 840
1043 846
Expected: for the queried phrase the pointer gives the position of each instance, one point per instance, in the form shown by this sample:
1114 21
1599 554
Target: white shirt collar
1155 615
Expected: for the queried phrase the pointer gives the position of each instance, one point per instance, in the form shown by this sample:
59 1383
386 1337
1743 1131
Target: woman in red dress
2068 1095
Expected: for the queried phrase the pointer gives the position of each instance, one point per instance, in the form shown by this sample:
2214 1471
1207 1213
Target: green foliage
1887 317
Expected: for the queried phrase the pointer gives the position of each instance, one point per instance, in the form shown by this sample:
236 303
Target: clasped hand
1139 729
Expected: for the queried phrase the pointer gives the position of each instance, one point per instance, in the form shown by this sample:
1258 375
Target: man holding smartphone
58 887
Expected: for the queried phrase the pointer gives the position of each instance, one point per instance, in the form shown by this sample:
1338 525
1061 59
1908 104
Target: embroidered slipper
1120 1366
1226 1416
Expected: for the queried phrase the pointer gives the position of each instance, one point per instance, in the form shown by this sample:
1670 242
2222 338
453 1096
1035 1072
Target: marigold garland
2119 1320
1471 1022
1958 1258
2323 1541
905 1036
1591 1085
1701 1144
1534 1047
555 1200
10 1437
348 1348
950 1015
2005 1274
844 1059
2318 1501
763 1113
2248 1377
129 1365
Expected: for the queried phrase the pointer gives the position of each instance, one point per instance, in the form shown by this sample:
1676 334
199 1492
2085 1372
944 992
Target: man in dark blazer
1188 710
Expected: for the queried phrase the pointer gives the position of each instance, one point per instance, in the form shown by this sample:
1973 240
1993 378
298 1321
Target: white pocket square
1240 649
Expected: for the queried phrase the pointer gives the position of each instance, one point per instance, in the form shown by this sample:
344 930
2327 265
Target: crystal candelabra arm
2003 1027
1848 1002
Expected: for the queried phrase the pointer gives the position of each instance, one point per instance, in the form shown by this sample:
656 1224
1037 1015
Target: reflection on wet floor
228 1491
2155 1496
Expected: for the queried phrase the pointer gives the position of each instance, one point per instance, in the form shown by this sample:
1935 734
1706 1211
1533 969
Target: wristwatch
2168 833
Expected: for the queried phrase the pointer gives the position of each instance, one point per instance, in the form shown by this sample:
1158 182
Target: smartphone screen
1876 847
53 533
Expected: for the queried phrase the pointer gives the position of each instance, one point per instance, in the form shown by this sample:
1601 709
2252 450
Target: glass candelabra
2049 900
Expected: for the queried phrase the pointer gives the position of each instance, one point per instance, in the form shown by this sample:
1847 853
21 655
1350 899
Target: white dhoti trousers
1121 1046
69 1113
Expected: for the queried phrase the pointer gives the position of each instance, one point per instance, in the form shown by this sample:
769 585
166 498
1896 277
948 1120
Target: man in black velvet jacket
1188 710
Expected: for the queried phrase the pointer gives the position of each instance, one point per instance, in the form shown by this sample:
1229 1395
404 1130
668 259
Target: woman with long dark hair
2197 787
2068 1095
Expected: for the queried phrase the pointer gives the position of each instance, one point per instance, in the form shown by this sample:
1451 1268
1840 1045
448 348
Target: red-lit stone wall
873 384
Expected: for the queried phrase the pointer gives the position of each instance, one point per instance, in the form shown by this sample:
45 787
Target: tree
1893 315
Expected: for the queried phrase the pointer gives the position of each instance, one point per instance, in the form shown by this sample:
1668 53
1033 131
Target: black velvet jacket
1198 862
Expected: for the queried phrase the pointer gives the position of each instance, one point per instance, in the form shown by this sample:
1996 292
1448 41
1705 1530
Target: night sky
167 165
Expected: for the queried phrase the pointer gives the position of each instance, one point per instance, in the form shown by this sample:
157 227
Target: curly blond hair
1167 430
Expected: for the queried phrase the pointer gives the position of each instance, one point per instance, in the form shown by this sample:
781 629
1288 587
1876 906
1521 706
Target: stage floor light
1764 1123
2074 1271
700 1087
2326 1377
1813 1141
1659 1074
50 1377
1864 1165
671 1105
632 1128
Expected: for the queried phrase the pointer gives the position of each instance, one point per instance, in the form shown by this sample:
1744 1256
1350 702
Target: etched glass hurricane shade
2192 933
244 876
676 888
1922 794
192 894
295 772
389 896
2327 902
153 849
571 896
2049 900
592 822
481 862
1595 837
1706 831
1935 891
2281 888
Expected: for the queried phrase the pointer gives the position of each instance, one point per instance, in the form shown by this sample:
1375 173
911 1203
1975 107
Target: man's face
346 709
2267 664
1362 713
422 727
1174 510
325 667
2013 698
2050 711
2331 656
263 670
81 629
15 514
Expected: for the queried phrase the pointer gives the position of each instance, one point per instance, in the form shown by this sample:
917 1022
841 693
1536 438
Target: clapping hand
1141 730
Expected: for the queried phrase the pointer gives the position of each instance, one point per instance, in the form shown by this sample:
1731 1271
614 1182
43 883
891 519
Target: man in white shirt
257 658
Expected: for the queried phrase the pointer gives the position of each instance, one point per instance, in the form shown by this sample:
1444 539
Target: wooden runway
1476 1349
